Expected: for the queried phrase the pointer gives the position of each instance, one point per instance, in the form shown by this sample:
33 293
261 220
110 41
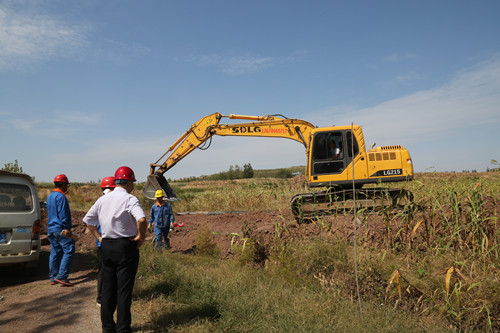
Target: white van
19 220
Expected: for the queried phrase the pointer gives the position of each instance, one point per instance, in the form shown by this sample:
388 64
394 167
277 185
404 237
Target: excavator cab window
349 148
328 153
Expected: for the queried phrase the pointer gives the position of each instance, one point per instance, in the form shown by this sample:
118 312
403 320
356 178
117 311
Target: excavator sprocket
308 206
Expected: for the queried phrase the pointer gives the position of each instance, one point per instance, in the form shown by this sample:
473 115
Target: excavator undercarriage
307 207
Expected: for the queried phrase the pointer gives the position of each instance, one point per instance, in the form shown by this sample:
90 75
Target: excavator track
307 207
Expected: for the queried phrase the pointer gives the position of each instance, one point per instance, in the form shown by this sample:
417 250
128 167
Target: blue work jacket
161 215
58 212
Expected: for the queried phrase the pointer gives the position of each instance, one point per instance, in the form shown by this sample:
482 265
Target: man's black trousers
120 258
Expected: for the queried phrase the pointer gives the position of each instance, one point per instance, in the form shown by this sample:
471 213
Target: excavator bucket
158 182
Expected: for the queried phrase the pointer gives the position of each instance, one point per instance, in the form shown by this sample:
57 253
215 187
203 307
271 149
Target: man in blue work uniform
62 246
162 218
123 227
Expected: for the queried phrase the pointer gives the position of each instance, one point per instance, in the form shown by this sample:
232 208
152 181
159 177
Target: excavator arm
199 136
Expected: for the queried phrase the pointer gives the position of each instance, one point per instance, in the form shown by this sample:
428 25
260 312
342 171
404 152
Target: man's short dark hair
121 181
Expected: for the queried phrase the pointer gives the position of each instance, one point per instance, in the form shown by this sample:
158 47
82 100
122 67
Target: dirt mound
226 227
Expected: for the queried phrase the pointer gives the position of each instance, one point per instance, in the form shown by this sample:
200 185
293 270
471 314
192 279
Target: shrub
204 244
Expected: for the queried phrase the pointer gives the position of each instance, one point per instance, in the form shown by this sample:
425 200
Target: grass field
437 270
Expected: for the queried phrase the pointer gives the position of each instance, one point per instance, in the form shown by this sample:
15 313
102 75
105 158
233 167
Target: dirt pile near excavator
226 226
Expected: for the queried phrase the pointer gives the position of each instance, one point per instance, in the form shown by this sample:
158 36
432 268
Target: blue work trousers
159 234
62 251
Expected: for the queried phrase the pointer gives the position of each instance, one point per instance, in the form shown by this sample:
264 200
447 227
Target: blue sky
88 86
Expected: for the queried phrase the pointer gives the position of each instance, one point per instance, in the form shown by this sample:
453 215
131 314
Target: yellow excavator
337 161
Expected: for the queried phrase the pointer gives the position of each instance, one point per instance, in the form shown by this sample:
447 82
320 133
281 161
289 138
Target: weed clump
248 247
204 243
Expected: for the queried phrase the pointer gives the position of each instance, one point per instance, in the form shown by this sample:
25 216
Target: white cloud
262 153
234 65
405 78
472 97
27 38
23 125
112 149
118 52
244 64
57 125
94 156
397 57
241 65
77 118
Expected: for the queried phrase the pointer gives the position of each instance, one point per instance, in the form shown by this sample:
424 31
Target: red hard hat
108 182
61 179
125 172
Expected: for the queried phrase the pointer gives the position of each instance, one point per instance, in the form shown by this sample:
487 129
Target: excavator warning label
390 172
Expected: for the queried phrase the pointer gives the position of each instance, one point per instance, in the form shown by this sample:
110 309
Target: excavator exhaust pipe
158 182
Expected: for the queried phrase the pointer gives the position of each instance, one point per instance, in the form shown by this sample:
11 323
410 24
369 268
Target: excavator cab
337 158
332 152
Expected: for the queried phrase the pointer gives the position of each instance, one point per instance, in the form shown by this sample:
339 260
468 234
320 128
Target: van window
15 198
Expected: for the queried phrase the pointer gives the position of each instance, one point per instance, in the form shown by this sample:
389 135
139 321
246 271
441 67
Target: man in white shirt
123 229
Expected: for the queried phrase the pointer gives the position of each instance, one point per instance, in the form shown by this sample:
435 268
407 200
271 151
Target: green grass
183 293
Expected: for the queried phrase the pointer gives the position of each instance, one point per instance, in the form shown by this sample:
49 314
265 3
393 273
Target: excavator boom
202 131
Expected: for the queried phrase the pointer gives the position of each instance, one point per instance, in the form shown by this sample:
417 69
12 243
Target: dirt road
31 304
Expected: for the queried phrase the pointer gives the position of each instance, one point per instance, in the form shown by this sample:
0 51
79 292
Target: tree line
244 172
